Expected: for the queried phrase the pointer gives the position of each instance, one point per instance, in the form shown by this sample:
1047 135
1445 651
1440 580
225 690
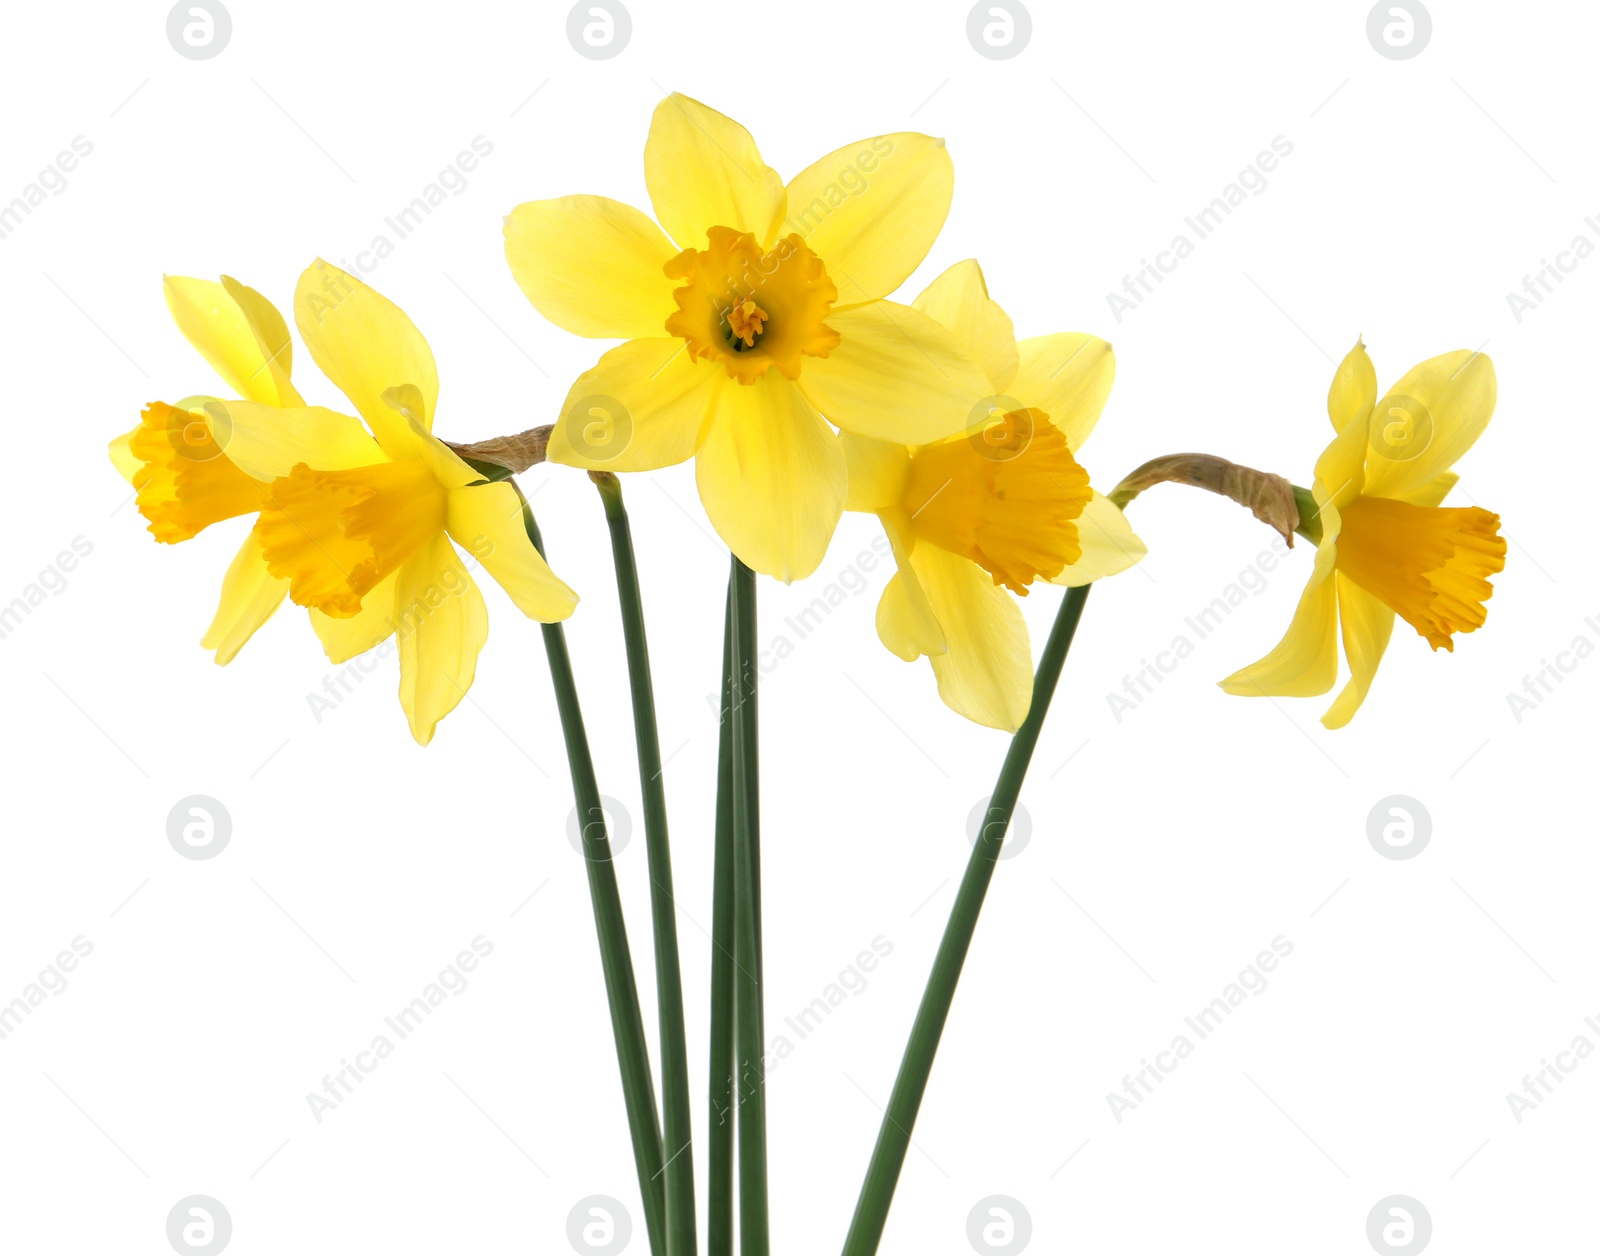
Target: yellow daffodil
367 545
1387 547
355 528
1003 503
185 480
752 311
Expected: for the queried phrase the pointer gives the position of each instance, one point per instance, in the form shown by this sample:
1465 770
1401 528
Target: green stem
622 994
894 1136
1310 520
719 1191
678 1171
750 1032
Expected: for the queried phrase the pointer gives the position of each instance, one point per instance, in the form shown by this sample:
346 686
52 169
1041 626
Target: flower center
745 321
335 534
1006 495
187 483
1429 564
751 310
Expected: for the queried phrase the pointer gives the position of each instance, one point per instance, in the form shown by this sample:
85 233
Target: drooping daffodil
185 480
1385 545
1003 503
357 525
368 547
751 312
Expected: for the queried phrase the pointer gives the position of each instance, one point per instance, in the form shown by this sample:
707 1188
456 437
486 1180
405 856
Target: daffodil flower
752 311
185 480
1387 547
1002 504
366 544
355 528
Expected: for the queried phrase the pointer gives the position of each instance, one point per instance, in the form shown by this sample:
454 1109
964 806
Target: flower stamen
745 322
751 310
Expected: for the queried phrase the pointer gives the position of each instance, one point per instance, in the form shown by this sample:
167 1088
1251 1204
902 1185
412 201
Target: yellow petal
448 467
345 639
123 458
872 210
959 300
1109 544
703 170
896 375
366 345
906 623
1457 395
877 472
239 332
442 623
1306 662
592 265
1340 474
486 521
986 674
1068 376
272 337
1354 389
1366 624
266 442
772 477
250 596
644 405
1431 493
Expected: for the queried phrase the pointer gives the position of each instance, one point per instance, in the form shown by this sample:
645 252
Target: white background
1188 834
